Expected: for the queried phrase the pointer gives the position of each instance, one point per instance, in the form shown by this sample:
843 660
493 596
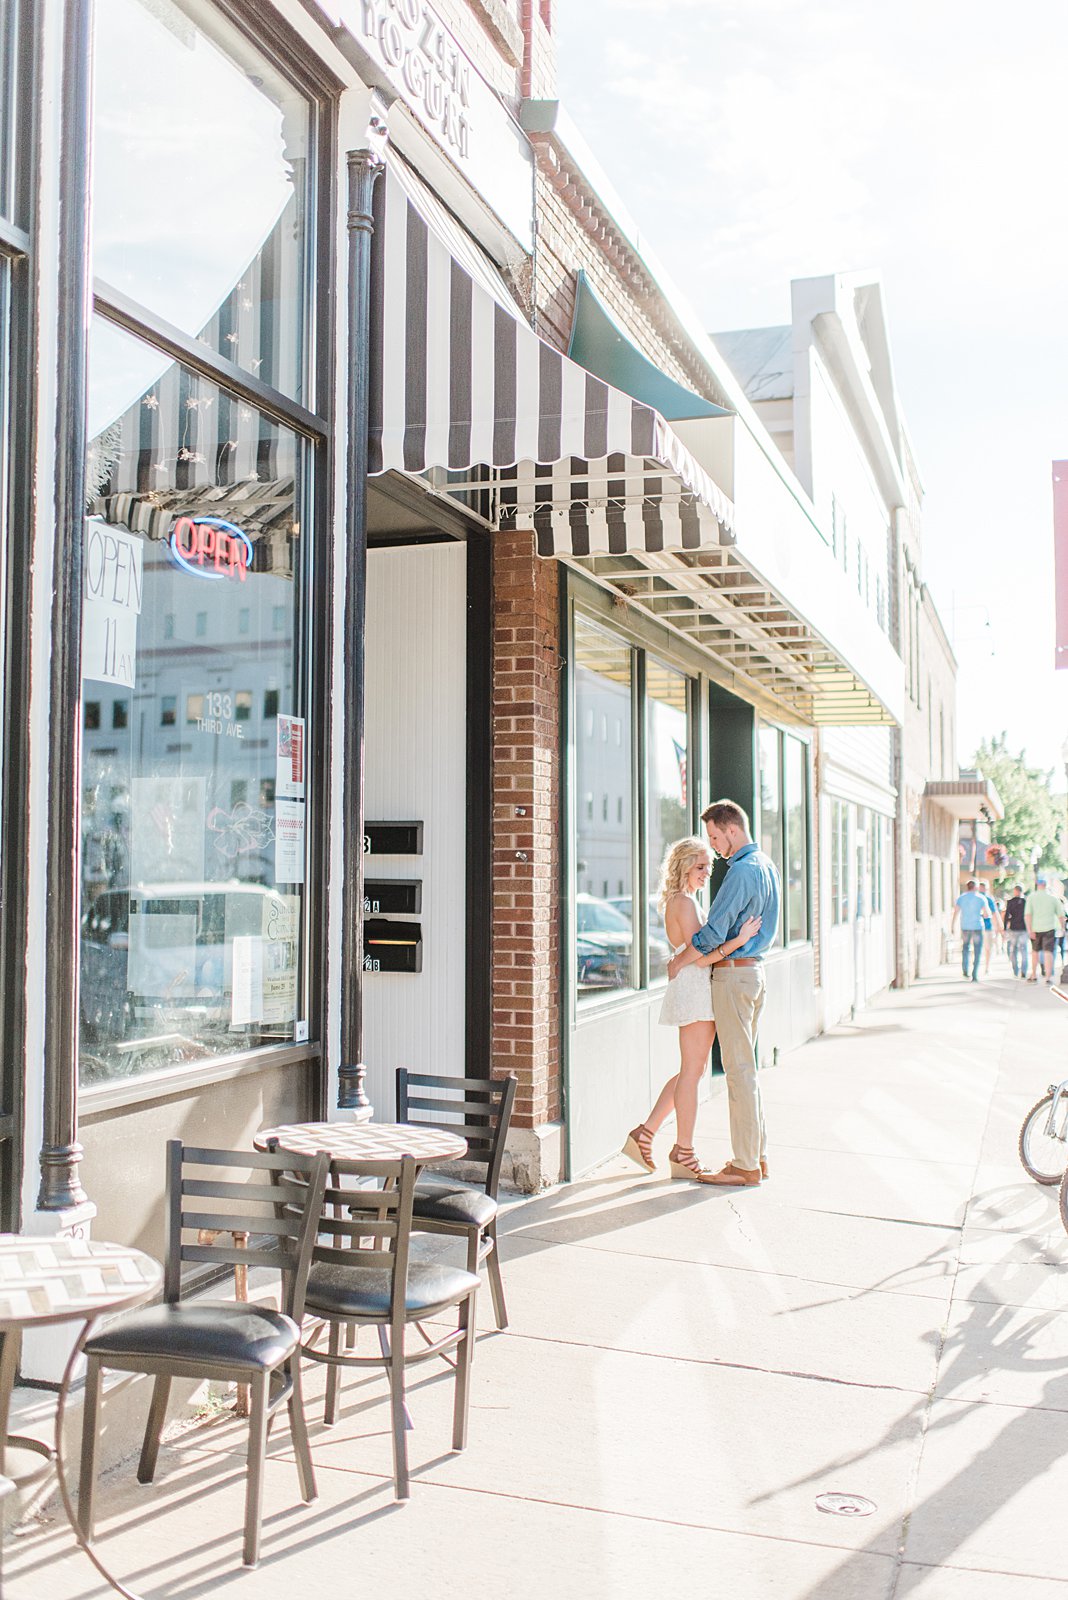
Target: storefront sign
423 63
210 547
392 895
393 838
112 563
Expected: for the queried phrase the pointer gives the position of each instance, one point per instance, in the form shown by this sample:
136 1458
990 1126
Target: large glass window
839 861
667 758
200 157
191 877
604 844
198 505
795 882
771 803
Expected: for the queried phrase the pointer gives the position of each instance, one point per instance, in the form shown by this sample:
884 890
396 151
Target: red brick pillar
526 850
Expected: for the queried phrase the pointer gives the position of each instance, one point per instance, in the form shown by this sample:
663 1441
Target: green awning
599 345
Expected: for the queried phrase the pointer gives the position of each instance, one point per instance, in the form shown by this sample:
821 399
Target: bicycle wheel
1062 1197
1045 1155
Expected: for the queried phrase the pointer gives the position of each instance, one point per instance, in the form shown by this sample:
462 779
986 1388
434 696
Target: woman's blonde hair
675 869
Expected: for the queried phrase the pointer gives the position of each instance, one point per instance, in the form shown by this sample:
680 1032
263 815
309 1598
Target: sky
756 141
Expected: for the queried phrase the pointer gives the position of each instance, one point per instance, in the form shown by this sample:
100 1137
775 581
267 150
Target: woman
688 1007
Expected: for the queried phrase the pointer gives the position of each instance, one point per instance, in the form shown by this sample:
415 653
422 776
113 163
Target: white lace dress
688 998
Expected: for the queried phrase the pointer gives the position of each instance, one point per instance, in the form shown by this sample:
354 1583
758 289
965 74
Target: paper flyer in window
289 762
112 563
281 932
288 841
247 977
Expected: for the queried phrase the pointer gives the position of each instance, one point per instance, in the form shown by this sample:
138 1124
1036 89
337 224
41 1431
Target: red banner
1060 557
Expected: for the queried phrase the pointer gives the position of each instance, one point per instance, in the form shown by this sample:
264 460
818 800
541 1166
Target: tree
1034 818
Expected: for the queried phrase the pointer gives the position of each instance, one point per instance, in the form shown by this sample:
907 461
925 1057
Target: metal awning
967 797
459 381
763 650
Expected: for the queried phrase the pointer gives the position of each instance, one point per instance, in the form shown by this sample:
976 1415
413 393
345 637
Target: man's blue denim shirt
749 889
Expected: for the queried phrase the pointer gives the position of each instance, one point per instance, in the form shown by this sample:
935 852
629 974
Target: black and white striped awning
459 381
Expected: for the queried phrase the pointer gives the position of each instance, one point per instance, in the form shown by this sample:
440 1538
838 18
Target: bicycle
1043 1143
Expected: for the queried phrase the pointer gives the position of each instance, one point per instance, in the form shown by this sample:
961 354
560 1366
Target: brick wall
526 826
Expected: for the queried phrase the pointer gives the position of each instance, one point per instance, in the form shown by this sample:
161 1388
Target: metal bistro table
48 1281
365 1141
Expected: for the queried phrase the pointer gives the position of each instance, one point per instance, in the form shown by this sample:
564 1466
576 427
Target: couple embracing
716 981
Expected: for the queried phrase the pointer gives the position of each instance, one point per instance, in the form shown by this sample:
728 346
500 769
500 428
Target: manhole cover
845 1505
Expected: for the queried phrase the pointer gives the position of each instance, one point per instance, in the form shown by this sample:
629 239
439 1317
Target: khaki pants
738 1000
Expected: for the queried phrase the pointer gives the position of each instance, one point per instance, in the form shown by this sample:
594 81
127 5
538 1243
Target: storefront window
604 843
839 861
193 797
796 882
10 108
668 808
200 156
771 801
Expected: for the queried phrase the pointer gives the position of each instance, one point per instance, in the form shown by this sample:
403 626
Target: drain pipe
364 166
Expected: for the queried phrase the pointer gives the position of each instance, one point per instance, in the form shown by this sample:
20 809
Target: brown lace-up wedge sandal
683 1163
639 1146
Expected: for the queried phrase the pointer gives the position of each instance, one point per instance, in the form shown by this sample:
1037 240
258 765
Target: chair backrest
479 1109
274 1200
365 1226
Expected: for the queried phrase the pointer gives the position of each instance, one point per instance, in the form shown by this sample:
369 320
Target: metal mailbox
392 946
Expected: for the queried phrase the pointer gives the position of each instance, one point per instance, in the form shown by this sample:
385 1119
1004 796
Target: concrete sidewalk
688 1369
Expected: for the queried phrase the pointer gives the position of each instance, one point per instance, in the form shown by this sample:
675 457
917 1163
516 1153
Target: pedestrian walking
750 888
687 1005
991 923
1044 915
1016 936
969 911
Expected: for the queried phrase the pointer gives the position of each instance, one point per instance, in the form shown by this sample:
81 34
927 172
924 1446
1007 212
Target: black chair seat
365 1291
223 1332
445 1200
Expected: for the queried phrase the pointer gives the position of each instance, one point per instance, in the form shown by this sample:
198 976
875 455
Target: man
971 907
991 923
750 888
1044 916
1016 935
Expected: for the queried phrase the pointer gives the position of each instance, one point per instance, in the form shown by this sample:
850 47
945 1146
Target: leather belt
741 961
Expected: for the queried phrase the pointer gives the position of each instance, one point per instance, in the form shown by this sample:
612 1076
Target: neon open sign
210 547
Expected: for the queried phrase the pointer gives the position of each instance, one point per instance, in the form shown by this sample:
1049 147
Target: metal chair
481 1110
361 1276
208 1192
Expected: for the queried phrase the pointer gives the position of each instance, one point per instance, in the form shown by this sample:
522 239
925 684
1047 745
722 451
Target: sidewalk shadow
1027 1447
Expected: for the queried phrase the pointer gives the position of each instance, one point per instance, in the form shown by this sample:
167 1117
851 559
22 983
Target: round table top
365 1141
59 1280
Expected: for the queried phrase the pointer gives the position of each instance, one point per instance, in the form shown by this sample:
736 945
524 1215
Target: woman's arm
749 927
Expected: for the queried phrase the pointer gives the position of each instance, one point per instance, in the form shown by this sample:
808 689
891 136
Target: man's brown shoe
733 1177
734 1167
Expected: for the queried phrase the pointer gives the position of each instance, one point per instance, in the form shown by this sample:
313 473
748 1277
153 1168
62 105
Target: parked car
605 928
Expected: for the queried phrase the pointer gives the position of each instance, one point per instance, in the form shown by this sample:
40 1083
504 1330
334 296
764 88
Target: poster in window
112 563
281 928
247 997
289 760
289 841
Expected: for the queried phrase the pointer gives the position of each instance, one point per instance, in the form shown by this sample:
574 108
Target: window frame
788 940
578 601
293 58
